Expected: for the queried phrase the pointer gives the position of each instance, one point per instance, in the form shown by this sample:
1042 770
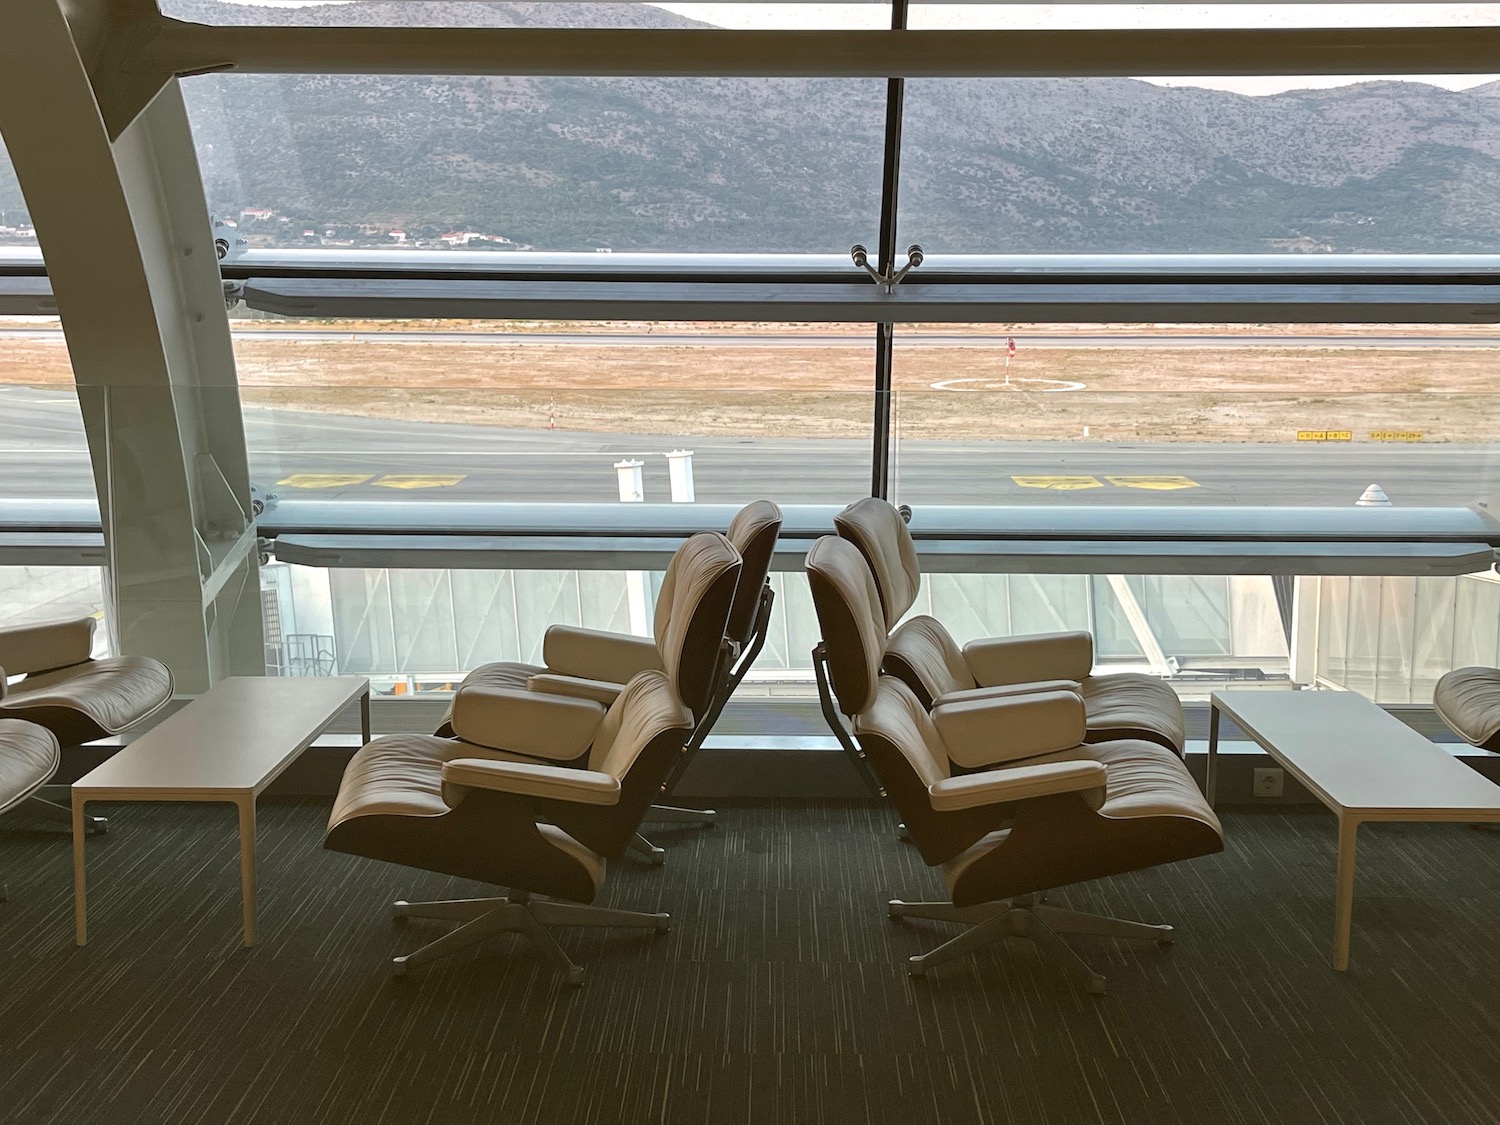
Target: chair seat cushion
402 775
500 674
1130 705
1145 780
28 758
1153 812
108 695
1468 700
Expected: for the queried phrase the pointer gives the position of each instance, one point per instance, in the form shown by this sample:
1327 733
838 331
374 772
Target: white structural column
129 250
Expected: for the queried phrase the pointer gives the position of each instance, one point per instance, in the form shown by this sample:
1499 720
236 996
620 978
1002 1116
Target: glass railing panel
37 594
1390 638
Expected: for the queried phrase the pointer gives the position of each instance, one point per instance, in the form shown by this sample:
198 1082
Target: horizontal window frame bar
950 539
1039 302
168 47
432 552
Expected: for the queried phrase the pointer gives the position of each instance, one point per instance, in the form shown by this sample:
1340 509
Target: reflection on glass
1195 415
15 219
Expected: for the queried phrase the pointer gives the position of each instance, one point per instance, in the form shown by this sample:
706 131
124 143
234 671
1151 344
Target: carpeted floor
778 995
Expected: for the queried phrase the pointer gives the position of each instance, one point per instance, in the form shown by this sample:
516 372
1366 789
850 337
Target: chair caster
574 976
1164 943
915 968
663 923
398 912
1096 985
96 826
398 967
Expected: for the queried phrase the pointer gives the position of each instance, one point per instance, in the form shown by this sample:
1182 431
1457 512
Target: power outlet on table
1269 782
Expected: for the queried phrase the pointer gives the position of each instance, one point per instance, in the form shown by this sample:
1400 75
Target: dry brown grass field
1261 394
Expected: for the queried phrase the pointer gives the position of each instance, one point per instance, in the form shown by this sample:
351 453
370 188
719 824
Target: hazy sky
799 14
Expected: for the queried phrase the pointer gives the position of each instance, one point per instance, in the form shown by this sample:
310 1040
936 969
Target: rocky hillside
791 164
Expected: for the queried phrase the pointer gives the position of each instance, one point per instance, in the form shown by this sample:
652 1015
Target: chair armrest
555 783
574 687
1005 691
41 648
592 654
1040 656
526 722
1017 783
987 732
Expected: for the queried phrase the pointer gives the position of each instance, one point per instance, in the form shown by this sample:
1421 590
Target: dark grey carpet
778 996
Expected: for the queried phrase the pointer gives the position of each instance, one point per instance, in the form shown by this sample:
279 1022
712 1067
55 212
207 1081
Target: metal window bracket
888 279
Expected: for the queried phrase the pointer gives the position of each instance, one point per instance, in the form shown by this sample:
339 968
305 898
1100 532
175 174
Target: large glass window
1209 415
538 412
43 452
1121 165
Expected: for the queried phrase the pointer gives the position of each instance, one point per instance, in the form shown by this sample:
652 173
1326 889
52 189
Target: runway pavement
324 456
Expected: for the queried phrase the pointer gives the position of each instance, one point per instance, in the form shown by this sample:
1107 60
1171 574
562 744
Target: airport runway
323 456
830 340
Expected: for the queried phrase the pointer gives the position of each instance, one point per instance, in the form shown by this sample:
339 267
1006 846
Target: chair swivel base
518 913
670 814
92 825
1025 917
674 814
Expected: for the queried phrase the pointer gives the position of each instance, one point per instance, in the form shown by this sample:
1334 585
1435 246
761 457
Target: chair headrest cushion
698 590
881 535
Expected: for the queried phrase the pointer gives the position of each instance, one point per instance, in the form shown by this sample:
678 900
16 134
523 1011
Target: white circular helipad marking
993 384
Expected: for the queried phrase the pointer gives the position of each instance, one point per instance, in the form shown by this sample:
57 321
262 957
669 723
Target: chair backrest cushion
696 595
849 618
647 707
881 535
753 531
898 716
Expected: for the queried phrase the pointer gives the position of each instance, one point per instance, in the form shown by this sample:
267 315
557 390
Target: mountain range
987 165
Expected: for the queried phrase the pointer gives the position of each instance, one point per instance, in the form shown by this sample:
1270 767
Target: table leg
246 807
80 908
1343 911
364 715
1211 782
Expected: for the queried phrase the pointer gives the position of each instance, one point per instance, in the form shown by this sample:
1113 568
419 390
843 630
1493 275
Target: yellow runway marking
1059 484
324 480
391 480
1155 484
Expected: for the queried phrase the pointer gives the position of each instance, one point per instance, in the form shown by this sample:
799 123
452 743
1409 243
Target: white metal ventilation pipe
633 491
680 470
